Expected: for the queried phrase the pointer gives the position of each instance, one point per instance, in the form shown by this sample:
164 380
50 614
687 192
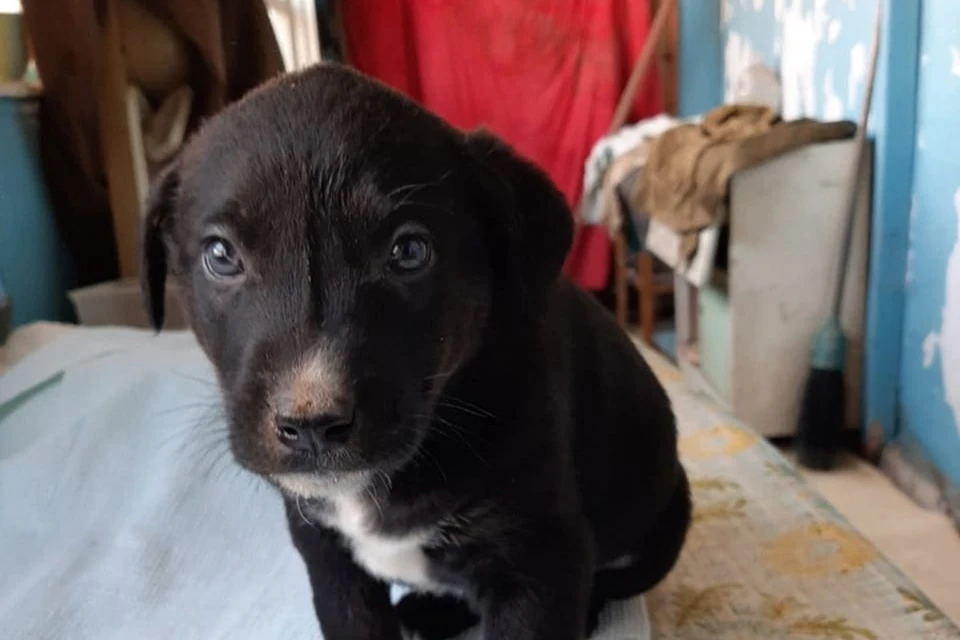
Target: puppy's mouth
312 486
274 450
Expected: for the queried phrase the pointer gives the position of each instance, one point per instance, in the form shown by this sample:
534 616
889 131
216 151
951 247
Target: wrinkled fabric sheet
122 514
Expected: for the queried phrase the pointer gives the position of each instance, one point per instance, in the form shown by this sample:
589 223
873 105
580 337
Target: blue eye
410 254
220 259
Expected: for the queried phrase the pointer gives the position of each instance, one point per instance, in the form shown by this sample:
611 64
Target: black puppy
379 294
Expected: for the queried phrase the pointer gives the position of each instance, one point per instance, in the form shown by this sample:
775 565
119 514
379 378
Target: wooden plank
115 144
668 56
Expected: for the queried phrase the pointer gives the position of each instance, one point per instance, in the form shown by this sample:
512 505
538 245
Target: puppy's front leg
350 604
542 592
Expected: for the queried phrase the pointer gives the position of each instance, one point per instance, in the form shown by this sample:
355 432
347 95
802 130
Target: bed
122 516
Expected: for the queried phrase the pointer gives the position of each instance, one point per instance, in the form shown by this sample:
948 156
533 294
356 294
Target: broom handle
860 147
640 66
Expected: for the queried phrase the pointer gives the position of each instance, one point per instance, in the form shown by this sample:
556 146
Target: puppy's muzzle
315 434
314 409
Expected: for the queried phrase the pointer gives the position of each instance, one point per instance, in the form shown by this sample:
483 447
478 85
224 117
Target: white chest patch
390 558
397 559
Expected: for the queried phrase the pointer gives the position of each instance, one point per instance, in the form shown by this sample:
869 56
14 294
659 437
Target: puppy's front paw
433 617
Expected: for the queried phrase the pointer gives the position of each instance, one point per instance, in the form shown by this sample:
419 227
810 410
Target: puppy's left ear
161 205
533 226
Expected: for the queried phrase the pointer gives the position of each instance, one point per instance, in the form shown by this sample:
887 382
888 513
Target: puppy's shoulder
601 352
577 316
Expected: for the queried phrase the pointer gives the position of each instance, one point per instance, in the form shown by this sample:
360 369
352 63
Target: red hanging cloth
545 75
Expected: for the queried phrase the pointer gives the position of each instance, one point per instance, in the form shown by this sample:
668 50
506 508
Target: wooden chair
641 275
648 284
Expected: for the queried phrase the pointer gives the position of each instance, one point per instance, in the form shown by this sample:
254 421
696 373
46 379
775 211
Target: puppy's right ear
153 248
532 226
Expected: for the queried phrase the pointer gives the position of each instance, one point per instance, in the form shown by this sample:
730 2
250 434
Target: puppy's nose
313 434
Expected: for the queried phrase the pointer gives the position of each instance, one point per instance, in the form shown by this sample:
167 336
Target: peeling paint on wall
802 33
804 40
738 56
832 103
779 9
833 31
950 329
930 345
947 340
857 75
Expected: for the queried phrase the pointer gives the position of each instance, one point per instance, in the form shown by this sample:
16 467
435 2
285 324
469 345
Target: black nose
312 434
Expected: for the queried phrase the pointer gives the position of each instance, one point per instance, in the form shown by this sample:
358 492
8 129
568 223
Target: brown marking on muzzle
317 385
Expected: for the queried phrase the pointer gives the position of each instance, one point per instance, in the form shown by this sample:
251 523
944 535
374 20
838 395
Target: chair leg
620 278
647 298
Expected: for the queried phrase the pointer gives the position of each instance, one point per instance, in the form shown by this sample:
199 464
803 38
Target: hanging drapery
545 75
231 49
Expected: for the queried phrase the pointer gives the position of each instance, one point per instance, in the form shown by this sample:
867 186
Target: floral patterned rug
767 557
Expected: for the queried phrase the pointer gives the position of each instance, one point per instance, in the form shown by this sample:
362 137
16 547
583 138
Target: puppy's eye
220 259
411 253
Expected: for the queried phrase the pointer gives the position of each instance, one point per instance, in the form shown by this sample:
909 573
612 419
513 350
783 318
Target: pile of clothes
678 172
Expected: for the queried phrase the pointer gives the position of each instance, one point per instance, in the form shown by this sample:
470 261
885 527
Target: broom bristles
820 429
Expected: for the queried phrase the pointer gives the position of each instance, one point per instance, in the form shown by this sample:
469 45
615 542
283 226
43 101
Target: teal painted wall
930 358
700 81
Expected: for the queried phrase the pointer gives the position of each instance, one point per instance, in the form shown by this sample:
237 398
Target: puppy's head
341 253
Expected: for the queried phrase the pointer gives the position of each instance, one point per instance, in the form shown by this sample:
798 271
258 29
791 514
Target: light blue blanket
122 514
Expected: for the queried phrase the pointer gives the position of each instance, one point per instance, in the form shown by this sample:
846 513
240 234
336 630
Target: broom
822 414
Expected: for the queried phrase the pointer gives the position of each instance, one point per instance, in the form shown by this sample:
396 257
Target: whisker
453 432
216 455
436 463
306 520
226 462
468 405
371 493
459 433
188 407
479 413
444 375
385 478
195 378
197 429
